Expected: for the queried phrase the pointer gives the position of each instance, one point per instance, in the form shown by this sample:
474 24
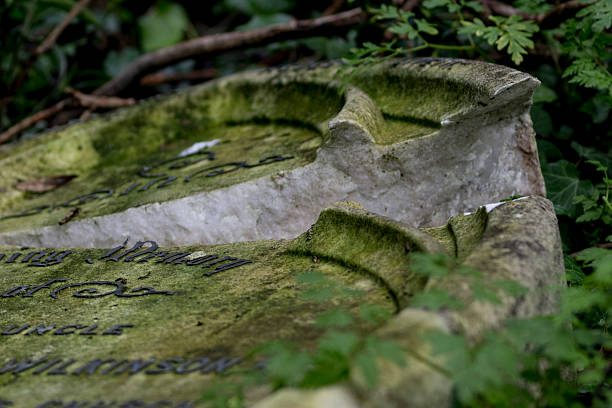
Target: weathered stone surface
187 312
416 140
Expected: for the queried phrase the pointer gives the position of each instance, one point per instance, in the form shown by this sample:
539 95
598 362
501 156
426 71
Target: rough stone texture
387 140
228 313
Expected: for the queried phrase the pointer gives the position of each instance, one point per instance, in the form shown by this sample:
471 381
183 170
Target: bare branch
506 10
94 101
47 43
228 41
197 75
334 7
52 37
410 4
32 120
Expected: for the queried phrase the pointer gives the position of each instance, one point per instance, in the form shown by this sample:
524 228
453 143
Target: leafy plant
340 349
512 33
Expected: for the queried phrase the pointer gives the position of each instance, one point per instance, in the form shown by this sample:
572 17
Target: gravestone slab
258 155
138 325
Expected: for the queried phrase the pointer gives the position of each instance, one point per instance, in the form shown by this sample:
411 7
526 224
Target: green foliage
512 33
162 26
596 207
340 350
561 356
563 184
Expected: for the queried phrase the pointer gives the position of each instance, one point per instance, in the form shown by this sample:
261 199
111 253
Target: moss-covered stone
190 311
291 142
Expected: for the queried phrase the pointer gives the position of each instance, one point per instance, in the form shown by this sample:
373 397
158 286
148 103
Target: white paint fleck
196 147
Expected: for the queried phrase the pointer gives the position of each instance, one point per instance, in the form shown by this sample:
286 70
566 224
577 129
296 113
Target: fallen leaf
44 184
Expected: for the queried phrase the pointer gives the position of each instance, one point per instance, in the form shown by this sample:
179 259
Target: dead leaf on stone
44 184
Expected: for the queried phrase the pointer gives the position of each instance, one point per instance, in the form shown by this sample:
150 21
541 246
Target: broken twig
95 101
229 41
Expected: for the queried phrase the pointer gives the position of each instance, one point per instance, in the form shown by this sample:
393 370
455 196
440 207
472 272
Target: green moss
254 114
226 314
377 245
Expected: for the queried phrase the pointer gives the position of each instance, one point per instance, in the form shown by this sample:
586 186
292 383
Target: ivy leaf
544 94
563 184
591 153
163 26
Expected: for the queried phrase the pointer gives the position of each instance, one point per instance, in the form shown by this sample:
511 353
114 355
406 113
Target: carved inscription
111 366
141 251
105 365
111 404
64 330
90 290
159 180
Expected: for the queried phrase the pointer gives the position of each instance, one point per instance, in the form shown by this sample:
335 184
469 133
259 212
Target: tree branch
200 46
410 4
197 75
94 102
52 37
228 41
47 43
506 10
32 120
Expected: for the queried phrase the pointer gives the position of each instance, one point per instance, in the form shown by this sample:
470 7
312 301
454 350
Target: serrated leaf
452 347
591 215
341 342
563 184
424 26
328 367
435 299
366 364
387 349
510 287
373 314
601 13
436 265
573 272
586 72
335 318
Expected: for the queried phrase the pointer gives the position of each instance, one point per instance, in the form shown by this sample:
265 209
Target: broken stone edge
397 168
520 242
